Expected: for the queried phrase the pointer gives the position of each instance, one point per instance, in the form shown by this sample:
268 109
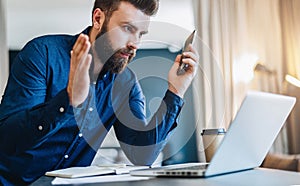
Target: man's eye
141 35
128 29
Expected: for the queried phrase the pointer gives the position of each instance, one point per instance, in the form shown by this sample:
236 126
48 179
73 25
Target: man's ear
98 18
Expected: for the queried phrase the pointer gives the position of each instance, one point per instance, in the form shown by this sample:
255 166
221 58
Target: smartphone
182 66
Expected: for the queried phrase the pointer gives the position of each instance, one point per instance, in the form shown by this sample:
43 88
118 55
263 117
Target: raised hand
178 84
79 80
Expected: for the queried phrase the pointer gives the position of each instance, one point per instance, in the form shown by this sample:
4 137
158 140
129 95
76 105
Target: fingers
81 47
190 62
80 52
178 58
193 54
191 57
80 40
82 66
87 63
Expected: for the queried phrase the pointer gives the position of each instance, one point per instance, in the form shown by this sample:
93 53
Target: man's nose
132 45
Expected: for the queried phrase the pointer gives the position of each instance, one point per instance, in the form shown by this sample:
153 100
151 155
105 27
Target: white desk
256 177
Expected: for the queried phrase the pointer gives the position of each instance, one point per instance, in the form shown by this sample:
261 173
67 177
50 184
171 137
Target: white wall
31 18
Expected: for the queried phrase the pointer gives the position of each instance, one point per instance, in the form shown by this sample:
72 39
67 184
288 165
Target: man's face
118 41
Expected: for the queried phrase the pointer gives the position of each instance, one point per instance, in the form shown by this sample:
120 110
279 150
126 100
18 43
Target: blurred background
243 45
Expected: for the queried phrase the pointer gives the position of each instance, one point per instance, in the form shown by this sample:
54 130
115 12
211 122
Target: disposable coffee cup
211 139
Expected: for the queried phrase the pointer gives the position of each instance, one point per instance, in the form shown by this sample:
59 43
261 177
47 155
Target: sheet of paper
127 169
76 172
97 179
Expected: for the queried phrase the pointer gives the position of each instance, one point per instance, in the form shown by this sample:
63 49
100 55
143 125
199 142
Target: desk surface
256 177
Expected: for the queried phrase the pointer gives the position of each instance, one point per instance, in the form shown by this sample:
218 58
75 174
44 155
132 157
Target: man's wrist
174 90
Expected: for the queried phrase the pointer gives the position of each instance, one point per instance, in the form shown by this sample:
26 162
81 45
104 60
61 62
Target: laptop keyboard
194 167
187 171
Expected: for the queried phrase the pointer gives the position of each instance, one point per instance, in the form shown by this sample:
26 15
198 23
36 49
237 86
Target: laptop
246 143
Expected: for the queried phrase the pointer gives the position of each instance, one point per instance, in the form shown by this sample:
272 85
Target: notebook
246 143
95 170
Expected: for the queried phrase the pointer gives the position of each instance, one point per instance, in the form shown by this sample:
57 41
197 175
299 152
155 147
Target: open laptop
246 143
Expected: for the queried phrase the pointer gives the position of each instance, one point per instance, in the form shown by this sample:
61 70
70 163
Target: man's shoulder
53 36
60 39
48 44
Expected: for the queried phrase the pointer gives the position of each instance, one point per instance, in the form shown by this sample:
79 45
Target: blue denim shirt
41 131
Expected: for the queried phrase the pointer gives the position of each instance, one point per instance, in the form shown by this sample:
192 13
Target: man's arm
25 115
141 141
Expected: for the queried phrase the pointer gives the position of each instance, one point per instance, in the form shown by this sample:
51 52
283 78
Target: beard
114 60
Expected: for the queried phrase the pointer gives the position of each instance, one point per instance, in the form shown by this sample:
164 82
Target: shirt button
66 156
40 127
91 109
61 109
94 82
80 135
104 76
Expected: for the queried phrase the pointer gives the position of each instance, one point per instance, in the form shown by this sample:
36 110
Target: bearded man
65 92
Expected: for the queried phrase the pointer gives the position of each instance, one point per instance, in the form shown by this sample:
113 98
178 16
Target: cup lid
213 131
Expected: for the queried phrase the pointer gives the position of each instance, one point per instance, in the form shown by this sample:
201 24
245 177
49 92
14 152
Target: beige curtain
290 16
3 48
240 34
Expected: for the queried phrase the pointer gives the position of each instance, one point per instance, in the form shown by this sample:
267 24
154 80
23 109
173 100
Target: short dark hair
149 7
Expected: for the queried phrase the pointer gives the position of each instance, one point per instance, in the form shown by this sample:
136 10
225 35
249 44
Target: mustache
127 51
116 64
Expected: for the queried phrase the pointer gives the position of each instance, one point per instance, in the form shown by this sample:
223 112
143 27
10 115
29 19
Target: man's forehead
127 13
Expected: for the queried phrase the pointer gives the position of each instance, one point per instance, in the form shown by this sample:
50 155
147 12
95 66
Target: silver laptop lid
252 133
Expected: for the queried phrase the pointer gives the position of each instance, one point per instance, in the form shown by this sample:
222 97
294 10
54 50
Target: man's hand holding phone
189 41
184 69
